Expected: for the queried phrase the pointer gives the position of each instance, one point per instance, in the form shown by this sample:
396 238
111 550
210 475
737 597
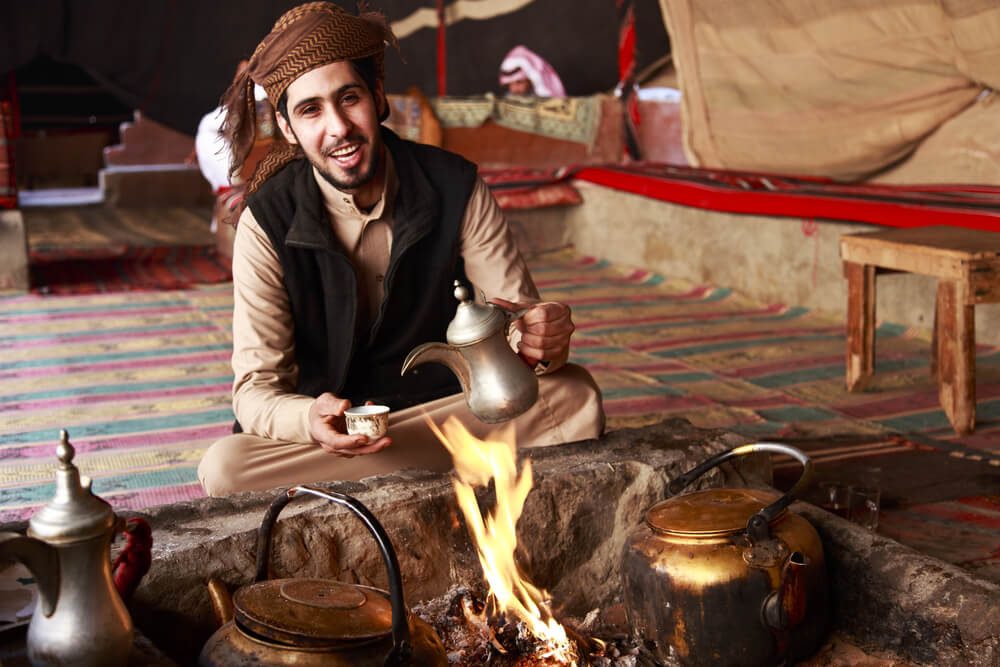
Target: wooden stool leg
956 355
860 324
934 342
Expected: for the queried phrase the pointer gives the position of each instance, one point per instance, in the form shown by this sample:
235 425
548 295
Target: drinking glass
834 497
863 506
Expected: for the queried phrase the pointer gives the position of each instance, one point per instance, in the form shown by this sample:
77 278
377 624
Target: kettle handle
401 646
757 526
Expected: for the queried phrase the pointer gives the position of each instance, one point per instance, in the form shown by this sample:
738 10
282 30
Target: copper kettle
301 621
497 384
727 576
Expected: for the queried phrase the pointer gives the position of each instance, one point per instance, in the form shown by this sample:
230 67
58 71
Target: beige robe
277 448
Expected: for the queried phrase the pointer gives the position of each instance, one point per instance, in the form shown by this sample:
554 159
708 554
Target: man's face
334 117
520 87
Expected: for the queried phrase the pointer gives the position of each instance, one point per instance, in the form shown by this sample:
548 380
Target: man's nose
338 124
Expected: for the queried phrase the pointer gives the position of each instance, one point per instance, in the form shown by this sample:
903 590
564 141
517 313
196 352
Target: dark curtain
174 58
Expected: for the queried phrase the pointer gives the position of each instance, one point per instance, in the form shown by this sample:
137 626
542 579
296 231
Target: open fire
494 536
510 623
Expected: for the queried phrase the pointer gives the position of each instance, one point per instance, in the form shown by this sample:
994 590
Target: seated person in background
215 158
524 72
344 261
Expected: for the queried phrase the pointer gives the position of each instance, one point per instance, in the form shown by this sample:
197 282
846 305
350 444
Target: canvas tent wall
841 88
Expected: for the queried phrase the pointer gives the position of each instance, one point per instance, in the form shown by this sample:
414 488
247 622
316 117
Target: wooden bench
966 263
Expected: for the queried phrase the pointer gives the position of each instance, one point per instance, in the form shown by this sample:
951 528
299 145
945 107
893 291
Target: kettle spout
222 601
443 354
786 607
39 557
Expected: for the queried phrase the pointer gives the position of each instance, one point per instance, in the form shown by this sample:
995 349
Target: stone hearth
587 497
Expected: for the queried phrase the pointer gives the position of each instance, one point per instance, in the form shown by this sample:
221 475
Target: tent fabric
835 88
964 149
173 60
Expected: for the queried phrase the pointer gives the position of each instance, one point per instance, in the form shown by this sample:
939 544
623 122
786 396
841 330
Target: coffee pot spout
443 354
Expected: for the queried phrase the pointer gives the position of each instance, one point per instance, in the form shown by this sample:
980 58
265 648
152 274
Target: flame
495 537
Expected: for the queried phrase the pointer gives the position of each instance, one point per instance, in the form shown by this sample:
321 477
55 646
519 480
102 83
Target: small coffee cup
370 420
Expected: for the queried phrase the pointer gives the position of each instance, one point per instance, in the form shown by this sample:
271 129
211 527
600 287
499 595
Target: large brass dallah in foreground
728 576
80 620
314 622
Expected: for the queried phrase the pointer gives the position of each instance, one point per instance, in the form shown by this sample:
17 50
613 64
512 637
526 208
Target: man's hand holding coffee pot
545 329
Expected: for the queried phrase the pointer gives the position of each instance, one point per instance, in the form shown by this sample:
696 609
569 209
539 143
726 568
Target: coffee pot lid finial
74 513
473 321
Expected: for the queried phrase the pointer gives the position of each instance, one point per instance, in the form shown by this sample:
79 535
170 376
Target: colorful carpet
125 269
96 248
93 249
54 228
141 381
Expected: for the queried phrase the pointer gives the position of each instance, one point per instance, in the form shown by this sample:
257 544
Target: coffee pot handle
401 647
41 558
510 316
757 526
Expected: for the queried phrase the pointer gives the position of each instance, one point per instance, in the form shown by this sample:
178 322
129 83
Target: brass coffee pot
80 618
319 622
497 384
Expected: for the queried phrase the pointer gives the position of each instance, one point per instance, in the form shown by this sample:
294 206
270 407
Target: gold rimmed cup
370 420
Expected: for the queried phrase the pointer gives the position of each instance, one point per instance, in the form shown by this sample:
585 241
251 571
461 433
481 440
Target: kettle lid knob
74 513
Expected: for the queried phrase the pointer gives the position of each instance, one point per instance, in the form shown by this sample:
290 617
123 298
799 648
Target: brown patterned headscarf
304 38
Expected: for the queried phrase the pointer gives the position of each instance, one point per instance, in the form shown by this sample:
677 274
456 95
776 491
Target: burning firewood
474 632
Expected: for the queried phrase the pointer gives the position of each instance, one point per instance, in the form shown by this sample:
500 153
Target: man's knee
578 377
576 399
219 470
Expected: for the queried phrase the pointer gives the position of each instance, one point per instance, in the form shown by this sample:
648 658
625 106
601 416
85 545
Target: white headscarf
523 63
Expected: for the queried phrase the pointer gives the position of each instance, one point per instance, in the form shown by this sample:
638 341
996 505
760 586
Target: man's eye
350 98
308 110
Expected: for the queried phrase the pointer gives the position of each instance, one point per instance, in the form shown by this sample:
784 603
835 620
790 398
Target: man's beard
356 176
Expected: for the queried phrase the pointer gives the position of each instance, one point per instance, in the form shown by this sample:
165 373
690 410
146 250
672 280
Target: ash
475 634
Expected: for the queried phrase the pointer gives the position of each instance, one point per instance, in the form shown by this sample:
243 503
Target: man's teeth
341 152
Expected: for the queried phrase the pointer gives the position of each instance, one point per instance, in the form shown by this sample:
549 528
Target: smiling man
338 130
344 261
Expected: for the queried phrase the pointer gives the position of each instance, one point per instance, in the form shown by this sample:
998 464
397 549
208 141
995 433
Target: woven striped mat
142 380
964 531
767 370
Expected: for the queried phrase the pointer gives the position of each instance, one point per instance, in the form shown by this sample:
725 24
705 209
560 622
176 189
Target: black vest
333 350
